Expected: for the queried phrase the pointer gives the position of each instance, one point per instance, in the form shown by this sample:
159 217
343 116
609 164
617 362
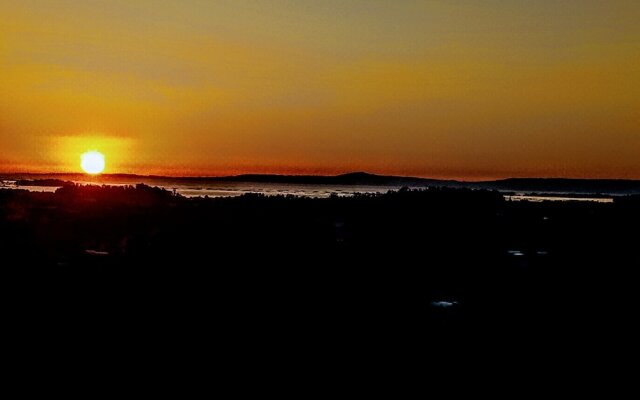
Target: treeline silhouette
363 268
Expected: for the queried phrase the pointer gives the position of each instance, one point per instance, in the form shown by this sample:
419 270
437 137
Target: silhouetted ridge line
534 185
355 178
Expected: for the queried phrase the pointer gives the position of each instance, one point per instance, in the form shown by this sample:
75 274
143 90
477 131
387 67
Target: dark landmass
609 187
577 186
355 178
370 271
42 182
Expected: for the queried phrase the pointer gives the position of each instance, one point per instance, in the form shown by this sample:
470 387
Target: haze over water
219 189
213 188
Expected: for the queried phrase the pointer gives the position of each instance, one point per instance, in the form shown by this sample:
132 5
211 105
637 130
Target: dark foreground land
370 270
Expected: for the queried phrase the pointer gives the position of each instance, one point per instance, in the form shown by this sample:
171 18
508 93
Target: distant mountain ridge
353 178
534 185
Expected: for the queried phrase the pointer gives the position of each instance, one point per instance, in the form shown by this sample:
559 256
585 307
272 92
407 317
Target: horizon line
485 179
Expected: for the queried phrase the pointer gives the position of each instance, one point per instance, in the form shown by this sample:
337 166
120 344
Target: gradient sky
452 89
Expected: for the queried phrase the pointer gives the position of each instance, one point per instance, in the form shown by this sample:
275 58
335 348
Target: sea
212 189
217 189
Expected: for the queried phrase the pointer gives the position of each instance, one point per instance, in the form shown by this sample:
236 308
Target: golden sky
448 89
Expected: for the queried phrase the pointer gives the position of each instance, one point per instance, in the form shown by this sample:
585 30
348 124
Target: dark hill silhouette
354 178
284 271
536 185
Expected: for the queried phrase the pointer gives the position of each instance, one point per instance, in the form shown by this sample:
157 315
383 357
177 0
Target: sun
92 162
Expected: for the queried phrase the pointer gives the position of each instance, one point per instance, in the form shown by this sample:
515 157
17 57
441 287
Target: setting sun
92 162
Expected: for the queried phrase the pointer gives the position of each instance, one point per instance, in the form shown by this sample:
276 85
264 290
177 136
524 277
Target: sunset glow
318 177
443 89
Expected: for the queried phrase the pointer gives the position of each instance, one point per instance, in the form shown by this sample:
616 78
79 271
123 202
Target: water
567 197
229 189
234 189
270 189
44 189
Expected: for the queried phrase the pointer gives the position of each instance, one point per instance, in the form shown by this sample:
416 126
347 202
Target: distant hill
527 185
354 178
558 185
41 182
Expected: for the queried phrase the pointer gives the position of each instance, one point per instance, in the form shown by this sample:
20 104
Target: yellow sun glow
92 162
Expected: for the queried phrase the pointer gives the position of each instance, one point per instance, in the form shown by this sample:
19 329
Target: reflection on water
444 304
44 189
279 189
232 189
521 197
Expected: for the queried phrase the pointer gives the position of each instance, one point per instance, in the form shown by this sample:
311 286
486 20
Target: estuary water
233 189
227 189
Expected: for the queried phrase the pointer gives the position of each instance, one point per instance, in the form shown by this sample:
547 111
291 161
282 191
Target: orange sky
447 89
